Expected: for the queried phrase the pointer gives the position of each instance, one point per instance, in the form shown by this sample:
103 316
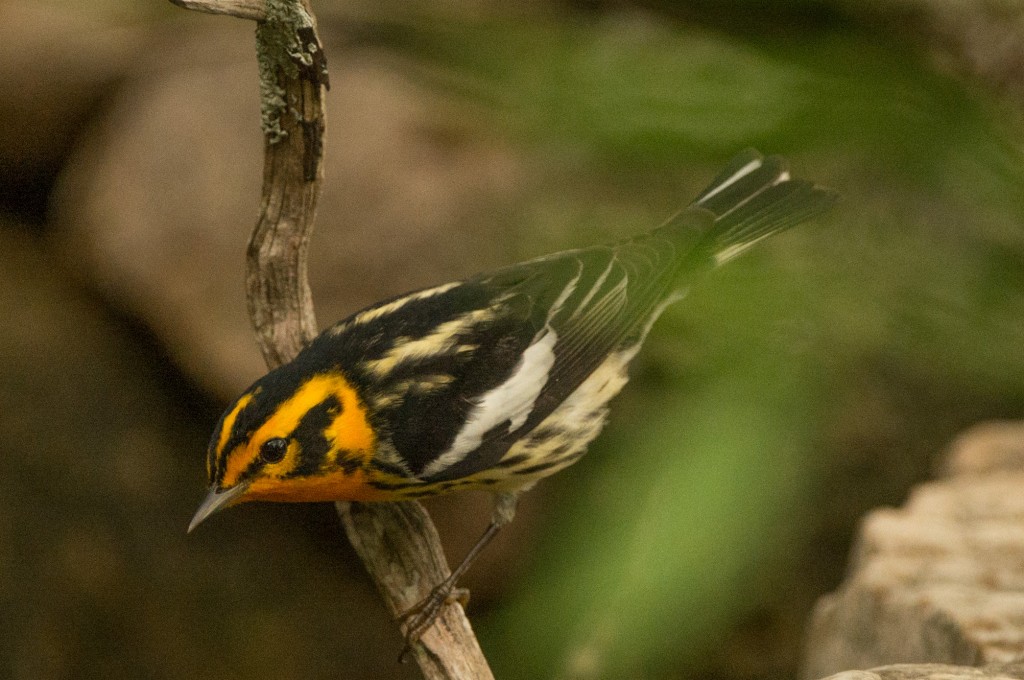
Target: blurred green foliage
894 320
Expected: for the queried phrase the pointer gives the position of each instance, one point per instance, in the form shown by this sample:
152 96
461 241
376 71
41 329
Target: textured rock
940 580
157 206
988 448
933 671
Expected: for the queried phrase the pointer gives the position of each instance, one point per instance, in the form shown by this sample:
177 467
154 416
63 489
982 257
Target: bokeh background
819 376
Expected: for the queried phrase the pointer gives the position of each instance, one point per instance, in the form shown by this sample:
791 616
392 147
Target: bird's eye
273 450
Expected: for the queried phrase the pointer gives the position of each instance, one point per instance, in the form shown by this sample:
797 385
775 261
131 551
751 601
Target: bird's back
504 377
577 319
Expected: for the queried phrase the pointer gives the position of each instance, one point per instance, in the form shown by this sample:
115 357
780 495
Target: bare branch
243 9
405 571
397 541
292 80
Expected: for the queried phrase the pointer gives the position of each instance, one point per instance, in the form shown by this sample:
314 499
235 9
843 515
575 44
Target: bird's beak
217 500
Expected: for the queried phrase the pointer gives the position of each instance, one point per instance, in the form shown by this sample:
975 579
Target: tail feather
746 172
755 197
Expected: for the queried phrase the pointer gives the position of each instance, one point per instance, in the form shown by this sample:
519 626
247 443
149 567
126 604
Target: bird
492 382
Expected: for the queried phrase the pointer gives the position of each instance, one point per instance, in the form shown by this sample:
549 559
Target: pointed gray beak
216 500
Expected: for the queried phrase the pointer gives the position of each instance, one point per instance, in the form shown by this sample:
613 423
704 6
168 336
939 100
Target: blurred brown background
819 376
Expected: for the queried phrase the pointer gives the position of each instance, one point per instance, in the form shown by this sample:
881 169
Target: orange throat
331 486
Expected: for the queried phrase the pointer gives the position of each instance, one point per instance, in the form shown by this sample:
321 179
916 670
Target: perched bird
493 382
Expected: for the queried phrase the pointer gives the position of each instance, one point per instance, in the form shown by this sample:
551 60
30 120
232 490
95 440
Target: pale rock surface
934 671
988 448
940 580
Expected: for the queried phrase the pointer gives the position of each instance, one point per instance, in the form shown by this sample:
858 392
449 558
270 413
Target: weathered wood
292 80
939 580
243 9
405 572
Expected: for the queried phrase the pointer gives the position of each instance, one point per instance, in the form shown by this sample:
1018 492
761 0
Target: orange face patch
349 434
334 486
238 460
227 425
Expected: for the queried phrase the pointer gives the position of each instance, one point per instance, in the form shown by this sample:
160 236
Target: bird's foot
424 613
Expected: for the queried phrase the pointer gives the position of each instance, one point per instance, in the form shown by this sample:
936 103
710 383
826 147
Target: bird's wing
456 374
454 377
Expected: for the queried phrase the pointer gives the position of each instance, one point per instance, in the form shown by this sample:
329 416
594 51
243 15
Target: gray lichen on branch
286 43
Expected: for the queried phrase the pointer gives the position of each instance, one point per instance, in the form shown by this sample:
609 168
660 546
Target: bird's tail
753 198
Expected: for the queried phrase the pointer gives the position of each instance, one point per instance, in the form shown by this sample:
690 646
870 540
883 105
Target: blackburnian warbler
490 383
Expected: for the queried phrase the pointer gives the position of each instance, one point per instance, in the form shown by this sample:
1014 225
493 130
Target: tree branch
400 547
397 541
243 9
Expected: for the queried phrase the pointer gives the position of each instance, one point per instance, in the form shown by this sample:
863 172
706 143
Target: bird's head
290 437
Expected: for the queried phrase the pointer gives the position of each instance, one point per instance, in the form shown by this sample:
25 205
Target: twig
400 547
243 9
397 541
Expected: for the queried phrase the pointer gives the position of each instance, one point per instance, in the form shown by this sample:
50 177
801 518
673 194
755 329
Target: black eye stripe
273 450
310 434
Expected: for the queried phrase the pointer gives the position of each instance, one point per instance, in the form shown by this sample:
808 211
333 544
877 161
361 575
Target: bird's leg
423 614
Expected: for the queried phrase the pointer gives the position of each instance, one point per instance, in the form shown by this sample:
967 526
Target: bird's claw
424 613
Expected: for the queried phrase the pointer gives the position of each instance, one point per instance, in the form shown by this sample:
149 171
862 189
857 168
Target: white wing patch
512 401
